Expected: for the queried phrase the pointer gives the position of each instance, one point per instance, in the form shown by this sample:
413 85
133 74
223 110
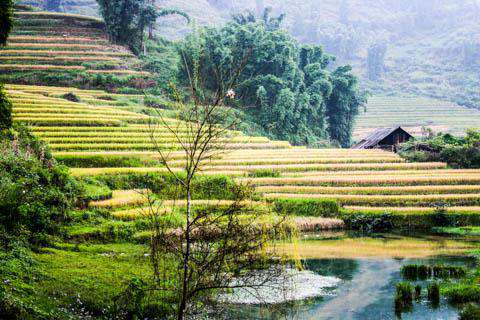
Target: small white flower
231 94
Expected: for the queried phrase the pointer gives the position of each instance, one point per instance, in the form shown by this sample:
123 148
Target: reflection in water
295 285
367 283
364 289
341 268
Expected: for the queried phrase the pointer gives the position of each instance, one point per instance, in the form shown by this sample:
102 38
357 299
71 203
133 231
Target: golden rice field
101 124
413 114
114 126
43 42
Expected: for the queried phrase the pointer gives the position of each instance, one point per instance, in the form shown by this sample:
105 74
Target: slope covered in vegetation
416 115
48 48
104 137
380 41
103 134
101 258
431 47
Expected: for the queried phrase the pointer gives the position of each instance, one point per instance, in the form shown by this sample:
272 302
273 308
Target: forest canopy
287 88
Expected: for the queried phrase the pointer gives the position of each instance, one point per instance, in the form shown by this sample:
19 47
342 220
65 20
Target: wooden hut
384 138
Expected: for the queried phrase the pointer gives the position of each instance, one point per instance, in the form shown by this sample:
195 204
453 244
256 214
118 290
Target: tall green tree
285 87
6 20
343 105
127 20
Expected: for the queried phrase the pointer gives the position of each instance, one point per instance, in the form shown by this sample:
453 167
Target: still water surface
353 288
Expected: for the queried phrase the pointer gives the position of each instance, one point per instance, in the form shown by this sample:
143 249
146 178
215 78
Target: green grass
90 276
460 231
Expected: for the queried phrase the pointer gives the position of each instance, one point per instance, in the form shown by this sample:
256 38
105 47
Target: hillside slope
104 135
415 114
104 138
432 47
66 49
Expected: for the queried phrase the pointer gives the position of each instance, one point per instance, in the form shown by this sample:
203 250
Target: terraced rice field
112 127
103 124
413 114
90 126
44 42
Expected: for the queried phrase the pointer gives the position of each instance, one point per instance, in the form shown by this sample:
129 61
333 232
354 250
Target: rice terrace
225 159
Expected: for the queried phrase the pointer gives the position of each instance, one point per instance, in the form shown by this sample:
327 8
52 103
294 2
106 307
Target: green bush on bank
106 231
459 152
470 312
35 192
94 191
306 207
66 78
218 187
383 222
463 293
359 220
102 161
414 272
265 173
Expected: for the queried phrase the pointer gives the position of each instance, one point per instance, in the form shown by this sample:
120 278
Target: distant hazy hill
429 47
398 47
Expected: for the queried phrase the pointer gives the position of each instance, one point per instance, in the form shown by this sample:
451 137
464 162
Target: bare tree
219 241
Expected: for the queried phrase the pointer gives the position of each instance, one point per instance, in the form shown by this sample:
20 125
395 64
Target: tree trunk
186 260
151 26
150 32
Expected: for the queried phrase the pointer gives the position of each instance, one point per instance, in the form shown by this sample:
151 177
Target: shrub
416 271
135 302
265 173
403 297
94 191
111 231
307 207
35 192
156 102
433 293
369 222
458 152
71 97
102 161
418 291
470 312
440 217
463 293
5 110
203 187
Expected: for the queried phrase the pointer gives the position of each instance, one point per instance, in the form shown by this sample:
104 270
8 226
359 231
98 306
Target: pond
350 277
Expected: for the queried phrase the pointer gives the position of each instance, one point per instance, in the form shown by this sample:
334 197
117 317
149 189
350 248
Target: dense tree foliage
35 193
6 20
286 87
343 105
5 110
460 152
127 20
